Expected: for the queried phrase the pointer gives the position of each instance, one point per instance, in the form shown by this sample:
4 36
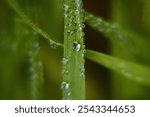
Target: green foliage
22 76
32 25
73 60
136 42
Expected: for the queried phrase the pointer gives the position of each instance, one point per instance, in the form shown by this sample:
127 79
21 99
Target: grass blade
18 10
73 84
36 70
117 35
132 71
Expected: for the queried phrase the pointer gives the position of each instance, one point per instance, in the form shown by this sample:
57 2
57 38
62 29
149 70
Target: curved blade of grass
117 35
18 10
73 84
132 71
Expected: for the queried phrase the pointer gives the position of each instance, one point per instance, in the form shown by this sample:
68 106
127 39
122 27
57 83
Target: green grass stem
73 84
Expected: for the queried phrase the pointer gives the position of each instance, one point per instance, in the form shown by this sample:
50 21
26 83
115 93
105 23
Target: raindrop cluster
66 90
64 61
82 69
73 18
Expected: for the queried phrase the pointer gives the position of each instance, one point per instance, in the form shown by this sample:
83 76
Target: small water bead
64 61
83 25
69 33
77 12
69 94
64 71
82 69
66 7
65 15
65 86
53 44
68 25
82 75
76 46
83 53
70 12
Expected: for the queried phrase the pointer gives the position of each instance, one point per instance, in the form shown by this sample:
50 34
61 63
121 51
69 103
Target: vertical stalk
73 84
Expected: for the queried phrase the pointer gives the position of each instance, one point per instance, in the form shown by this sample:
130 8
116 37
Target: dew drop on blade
64 61
76 46
53 44
64 85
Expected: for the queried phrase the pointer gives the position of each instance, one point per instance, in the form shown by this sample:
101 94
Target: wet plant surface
43 51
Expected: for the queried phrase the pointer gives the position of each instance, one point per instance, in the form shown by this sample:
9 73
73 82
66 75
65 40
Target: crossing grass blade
130 70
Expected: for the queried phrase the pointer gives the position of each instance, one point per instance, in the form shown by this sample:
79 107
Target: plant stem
73 84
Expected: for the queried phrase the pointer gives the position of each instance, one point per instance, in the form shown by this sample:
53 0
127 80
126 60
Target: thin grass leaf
18 10
36 71
132 71
135 42
73 84
29 61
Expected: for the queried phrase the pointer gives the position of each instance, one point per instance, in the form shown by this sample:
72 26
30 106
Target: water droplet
76 46
68 94
84 51
83 25
64 61
82 75
52 44
66 7
77 11
64 86
82 69
64 71
68 25
69 32
65 15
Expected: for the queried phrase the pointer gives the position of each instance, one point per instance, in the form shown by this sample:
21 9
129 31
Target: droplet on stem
64 85
64 61
76 46
52 44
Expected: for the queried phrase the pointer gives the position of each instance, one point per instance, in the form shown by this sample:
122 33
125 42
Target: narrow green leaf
36 70
18 10
73 84
132 71
135 42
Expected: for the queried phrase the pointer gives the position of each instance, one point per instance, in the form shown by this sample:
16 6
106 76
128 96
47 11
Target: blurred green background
26 63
